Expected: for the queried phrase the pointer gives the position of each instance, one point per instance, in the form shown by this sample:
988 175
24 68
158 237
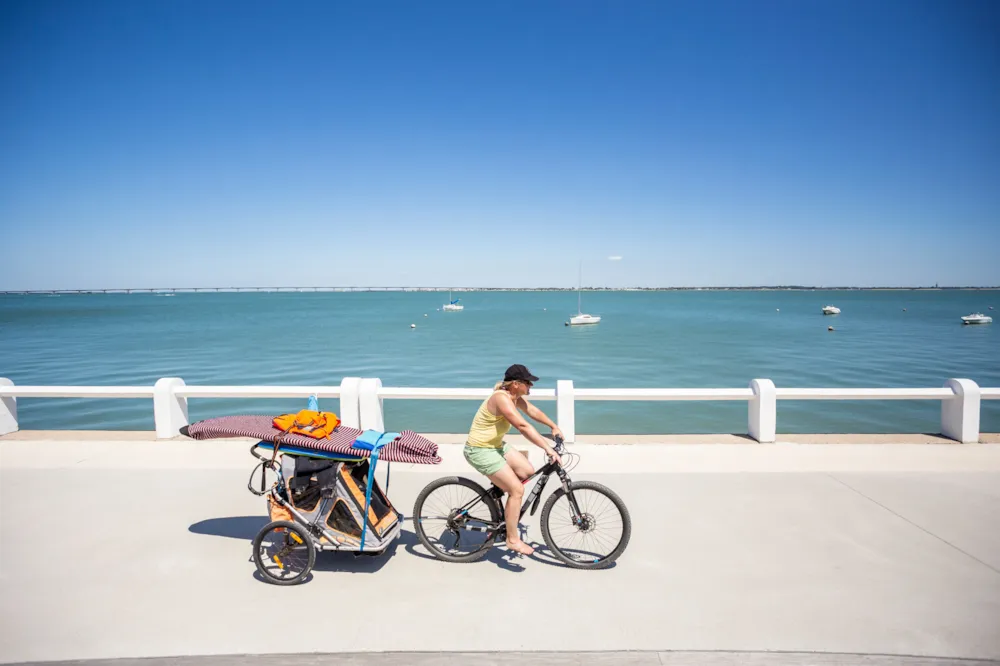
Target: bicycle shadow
544 554
499 556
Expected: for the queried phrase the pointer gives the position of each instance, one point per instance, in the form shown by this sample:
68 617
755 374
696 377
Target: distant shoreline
248 290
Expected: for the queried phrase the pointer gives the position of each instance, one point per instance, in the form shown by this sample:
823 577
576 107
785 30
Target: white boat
452 305
581 319
831 309
977 318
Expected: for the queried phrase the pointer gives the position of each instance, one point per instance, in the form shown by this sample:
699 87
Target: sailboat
580 318
452 305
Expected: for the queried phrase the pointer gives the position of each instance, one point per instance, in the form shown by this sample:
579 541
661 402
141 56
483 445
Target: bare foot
520 547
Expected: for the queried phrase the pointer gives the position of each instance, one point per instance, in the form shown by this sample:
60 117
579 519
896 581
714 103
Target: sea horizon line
349 289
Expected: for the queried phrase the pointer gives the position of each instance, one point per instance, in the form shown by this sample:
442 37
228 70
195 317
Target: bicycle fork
577 514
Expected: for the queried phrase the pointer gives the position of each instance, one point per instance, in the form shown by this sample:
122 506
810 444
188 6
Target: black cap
518 371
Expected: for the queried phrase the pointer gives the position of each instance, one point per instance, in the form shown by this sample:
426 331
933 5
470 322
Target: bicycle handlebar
559 444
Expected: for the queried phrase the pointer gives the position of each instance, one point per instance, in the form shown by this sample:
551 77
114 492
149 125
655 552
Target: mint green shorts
486 461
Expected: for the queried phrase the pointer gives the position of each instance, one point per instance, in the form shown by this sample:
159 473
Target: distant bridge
178 290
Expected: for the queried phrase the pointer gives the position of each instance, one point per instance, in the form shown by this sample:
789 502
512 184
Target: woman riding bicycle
505 466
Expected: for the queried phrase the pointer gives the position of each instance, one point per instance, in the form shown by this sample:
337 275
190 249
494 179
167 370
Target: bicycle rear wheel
589 532
456 519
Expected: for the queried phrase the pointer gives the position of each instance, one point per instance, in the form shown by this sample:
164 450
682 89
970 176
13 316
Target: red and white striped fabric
409 447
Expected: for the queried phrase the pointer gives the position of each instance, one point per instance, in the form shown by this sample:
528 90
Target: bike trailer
321 491
333 495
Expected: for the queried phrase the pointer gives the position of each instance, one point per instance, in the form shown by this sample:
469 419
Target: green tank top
487 430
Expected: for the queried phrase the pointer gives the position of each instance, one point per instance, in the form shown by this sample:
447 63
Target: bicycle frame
532 500
451 524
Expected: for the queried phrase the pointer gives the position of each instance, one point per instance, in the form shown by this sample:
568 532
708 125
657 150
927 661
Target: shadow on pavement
247 527
497 555
543 554
233 527
355 563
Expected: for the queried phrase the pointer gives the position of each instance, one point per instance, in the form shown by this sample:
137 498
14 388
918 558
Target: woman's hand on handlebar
558 438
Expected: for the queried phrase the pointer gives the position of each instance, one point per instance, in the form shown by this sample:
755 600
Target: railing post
8 410
763 411
960 415
370 404
170 411
350 413
566 409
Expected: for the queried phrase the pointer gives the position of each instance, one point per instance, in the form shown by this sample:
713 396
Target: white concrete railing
361 400
170 396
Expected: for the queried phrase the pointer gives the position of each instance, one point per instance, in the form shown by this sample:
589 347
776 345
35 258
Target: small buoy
991 307
904 309
413 325
829 328
544 309
425 315
777 309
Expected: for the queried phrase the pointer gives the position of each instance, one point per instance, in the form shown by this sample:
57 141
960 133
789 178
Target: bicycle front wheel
456 519
588 527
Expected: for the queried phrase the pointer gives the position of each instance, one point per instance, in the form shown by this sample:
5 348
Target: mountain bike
585 524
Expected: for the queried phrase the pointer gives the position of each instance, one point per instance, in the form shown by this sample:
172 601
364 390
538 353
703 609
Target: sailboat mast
579 286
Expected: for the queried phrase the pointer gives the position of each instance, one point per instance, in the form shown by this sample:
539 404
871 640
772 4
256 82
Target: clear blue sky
183 143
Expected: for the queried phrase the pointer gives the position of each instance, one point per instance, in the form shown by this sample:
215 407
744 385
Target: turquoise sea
703 339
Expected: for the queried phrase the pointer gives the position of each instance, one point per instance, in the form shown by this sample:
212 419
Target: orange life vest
309 423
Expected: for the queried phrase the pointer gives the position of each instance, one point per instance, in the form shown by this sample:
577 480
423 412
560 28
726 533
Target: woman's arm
538 415
506 407
534 412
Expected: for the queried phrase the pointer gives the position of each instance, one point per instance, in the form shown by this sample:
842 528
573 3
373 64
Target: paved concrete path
126 549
